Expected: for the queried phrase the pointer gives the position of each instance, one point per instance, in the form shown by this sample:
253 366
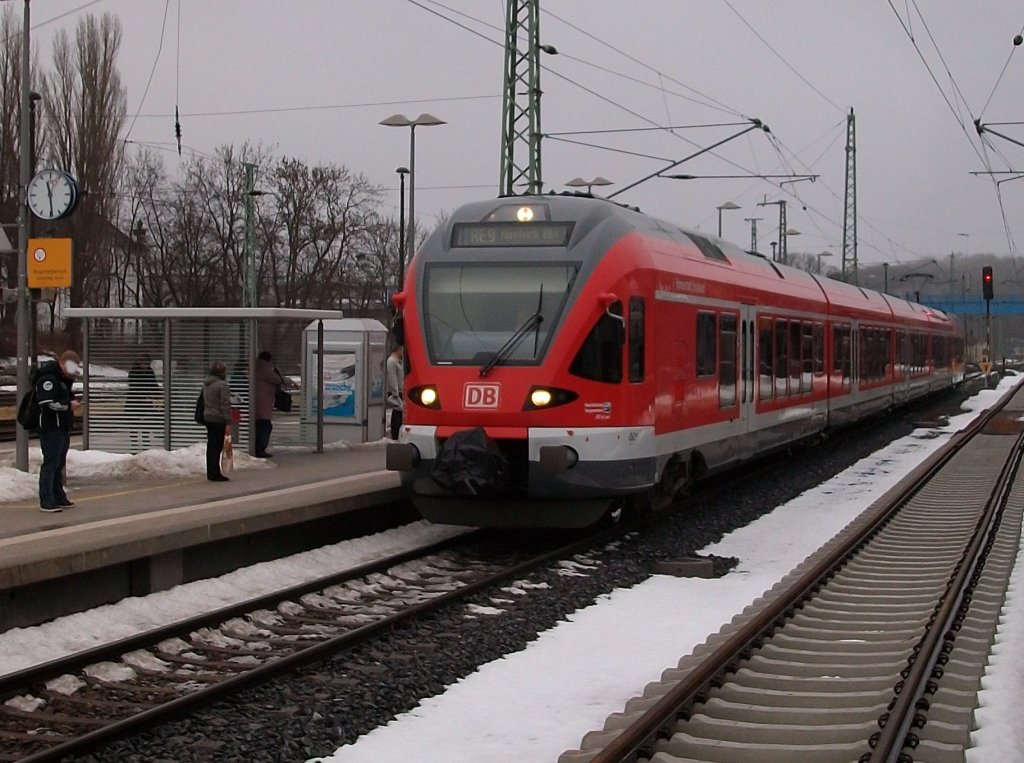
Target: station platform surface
154 520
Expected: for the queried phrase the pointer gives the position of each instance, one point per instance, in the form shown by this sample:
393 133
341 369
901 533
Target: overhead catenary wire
980 147
152 71
1002 73
704 100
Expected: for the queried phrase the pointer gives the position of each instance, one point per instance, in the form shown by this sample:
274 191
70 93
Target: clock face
52 194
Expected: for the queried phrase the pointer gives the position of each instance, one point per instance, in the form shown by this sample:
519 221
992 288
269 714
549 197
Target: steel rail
323 650
655 721
12 683
895 734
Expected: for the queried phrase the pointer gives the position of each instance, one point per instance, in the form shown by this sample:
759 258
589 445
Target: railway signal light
986 282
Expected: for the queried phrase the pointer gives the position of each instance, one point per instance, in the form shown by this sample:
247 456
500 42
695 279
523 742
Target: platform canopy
144 367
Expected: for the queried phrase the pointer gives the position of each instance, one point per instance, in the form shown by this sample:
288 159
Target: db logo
480 396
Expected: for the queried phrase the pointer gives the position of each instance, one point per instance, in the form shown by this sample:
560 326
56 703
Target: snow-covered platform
140 528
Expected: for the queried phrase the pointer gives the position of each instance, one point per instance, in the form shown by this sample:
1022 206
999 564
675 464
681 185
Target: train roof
605 220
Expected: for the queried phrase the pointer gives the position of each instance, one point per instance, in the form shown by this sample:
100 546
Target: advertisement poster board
340 385
377 374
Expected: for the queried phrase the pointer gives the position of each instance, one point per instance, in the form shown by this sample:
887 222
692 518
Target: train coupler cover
470 464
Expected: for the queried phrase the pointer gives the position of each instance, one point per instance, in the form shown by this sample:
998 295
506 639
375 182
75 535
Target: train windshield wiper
513 341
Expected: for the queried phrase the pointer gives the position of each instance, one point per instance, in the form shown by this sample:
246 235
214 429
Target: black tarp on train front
471 463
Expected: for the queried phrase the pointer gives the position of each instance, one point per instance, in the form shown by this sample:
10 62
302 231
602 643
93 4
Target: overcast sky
312 78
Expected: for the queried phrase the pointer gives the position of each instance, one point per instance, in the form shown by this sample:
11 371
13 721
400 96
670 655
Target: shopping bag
227 456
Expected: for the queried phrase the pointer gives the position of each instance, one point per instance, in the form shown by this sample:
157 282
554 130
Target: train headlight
425 396
547 397
540 397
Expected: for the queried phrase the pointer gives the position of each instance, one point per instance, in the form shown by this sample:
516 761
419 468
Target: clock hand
49 194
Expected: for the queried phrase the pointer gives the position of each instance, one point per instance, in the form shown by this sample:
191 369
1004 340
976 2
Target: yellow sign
49 263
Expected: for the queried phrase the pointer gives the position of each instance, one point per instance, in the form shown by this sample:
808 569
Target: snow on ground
553 685
534 704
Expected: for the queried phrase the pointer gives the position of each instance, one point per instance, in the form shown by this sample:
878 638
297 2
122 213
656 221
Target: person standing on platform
57 409
141 404
217 416
394 375
268 379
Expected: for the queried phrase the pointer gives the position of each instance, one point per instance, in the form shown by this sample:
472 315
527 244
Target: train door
747 345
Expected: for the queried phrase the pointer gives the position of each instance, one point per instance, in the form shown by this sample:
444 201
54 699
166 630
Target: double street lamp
400 120
588 184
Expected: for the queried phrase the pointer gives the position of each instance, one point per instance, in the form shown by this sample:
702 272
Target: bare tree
323 212
10 114
85 104
10 148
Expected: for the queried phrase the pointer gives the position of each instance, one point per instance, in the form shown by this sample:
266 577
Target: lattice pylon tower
520 118
850 209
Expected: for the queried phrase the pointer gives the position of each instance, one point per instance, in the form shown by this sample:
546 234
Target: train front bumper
556 463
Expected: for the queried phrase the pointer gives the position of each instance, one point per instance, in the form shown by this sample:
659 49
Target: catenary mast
520 120
850 210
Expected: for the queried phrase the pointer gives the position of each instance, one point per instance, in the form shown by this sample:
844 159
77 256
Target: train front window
471 311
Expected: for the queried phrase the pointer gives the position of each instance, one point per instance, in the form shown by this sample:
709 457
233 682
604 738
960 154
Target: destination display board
511 234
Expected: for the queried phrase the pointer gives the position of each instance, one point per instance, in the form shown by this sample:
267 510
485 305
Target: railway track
873 649
76 704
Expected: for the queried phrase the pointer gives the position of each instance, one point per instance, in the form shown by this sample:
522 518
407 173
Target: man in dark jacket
57 409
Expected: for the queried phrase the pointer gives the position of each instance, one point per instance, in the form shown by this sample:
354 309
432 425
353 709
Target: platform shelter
144 368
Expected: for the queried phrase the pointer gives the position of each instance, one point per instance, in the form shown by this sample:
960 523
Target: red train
567 355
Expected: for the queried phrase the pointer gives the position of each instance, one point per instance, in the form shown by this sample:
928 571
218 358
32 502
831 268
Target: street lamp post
402 172
21 436
823 253
726 205
423 120
33 329
250 295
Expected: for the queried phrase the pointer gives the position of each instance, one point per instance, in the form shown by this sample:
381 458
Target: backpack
28 411
200 407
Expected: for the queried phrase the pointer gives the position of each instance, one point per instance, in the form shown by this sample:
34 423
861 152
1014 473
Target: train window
819 349
636 339
781 358
867 346
942 349
875 353
727 361
842 355
919 352
806 356
764 359
794 361
600 356
708 249
471 310
882 361
707 335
